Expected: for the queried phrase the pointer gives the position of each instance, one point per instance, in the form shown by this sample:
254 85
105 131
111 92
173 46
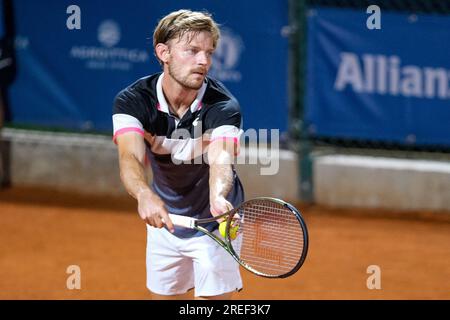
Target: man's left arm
223 122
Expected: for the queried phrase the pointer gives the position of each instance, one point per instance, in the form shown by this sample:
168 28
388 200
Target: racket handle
182 221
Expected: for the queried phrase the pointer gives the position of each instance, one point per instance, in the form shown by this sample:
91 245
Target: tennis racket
269 236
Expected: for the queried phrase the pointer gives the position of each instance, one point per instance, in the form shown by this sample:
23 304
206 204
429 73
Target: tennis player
187 126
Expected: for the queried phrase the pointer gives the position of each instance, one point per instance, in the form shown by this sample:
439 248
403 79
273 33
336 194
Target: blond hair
178 23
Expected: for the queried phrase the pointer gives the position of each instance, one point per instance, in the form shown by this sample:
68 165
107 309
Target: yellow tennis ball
233 230
222 228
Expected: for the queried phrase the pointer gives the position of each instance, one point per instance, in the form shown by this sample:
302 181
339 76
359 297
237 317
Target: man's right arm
151 208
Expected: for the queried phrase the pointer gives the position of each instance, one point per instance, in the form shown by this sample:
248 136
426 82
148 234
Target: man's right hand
152 210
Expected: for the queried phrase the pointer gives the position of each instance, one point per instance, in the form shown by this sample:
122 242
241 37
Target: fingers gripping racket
266 236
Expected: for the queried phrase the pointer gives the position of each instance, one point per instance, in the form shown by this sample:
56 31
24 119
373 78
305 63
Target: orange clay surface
43 232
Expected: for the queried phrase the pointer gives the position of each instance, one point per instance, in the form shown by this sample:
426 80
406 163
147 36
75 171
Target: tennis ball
233 230
222 227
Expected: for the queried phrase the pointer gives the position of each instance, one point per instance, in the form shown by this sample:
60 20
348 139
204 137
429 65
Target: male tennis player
172 119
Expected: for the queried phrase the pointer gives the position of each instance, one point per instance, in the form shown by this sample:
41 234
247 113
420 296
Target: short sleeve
223 121
128 114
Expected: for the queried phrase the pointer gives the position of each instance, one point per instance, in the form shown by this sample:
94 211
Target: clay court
43 232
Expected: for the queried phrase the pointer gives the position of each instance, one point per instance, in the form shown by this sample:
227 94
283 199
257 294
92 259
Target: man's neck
178 97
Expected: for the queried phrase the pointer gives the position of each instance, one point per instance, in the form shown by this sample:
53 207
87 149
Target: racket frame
193 223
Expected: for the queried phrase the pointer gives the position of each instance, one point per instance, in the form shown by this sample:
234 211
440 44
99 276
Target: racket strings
270 238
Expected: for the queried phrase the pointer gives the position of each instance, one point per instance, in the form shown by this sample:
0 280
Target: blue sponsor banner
68 78
389 85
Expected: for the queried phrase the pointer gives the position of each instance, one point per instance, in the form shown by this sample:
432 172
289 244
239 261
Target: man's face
190 58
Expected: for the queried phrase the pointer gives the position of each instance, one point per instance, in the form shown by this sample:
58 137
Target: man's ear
162 52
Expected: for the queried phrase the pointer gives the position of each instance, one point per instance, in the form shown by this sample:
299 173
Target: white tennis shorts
176 265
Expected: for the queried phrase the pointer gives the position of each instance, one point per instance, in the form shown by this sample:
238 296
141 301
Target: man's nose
202 58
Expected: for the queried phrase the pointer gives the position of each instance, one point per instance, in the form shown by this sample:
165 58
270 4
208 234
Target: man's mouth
202 73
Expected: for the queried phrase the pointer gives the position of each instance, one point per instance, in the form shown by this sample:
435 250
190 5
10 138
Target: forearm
133 176
220 180
220 157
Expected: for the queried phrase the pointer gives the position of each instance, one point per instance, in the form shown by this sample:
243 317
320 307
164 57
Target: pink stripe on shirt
234 139
125 130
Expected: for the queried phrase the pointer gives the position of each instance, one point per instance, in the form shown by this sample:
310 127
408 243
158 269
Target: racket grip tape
182 221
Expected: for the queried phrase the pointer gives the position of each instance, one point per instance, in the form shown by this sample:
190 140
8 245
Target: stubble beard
184 81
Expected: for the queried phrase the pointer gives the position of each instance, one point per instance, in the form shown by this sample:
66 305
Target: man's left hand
220 205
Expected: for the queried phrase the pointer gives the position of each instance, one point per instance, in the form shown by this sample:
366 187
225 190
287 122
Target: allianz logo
226 57
109 35
385 75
